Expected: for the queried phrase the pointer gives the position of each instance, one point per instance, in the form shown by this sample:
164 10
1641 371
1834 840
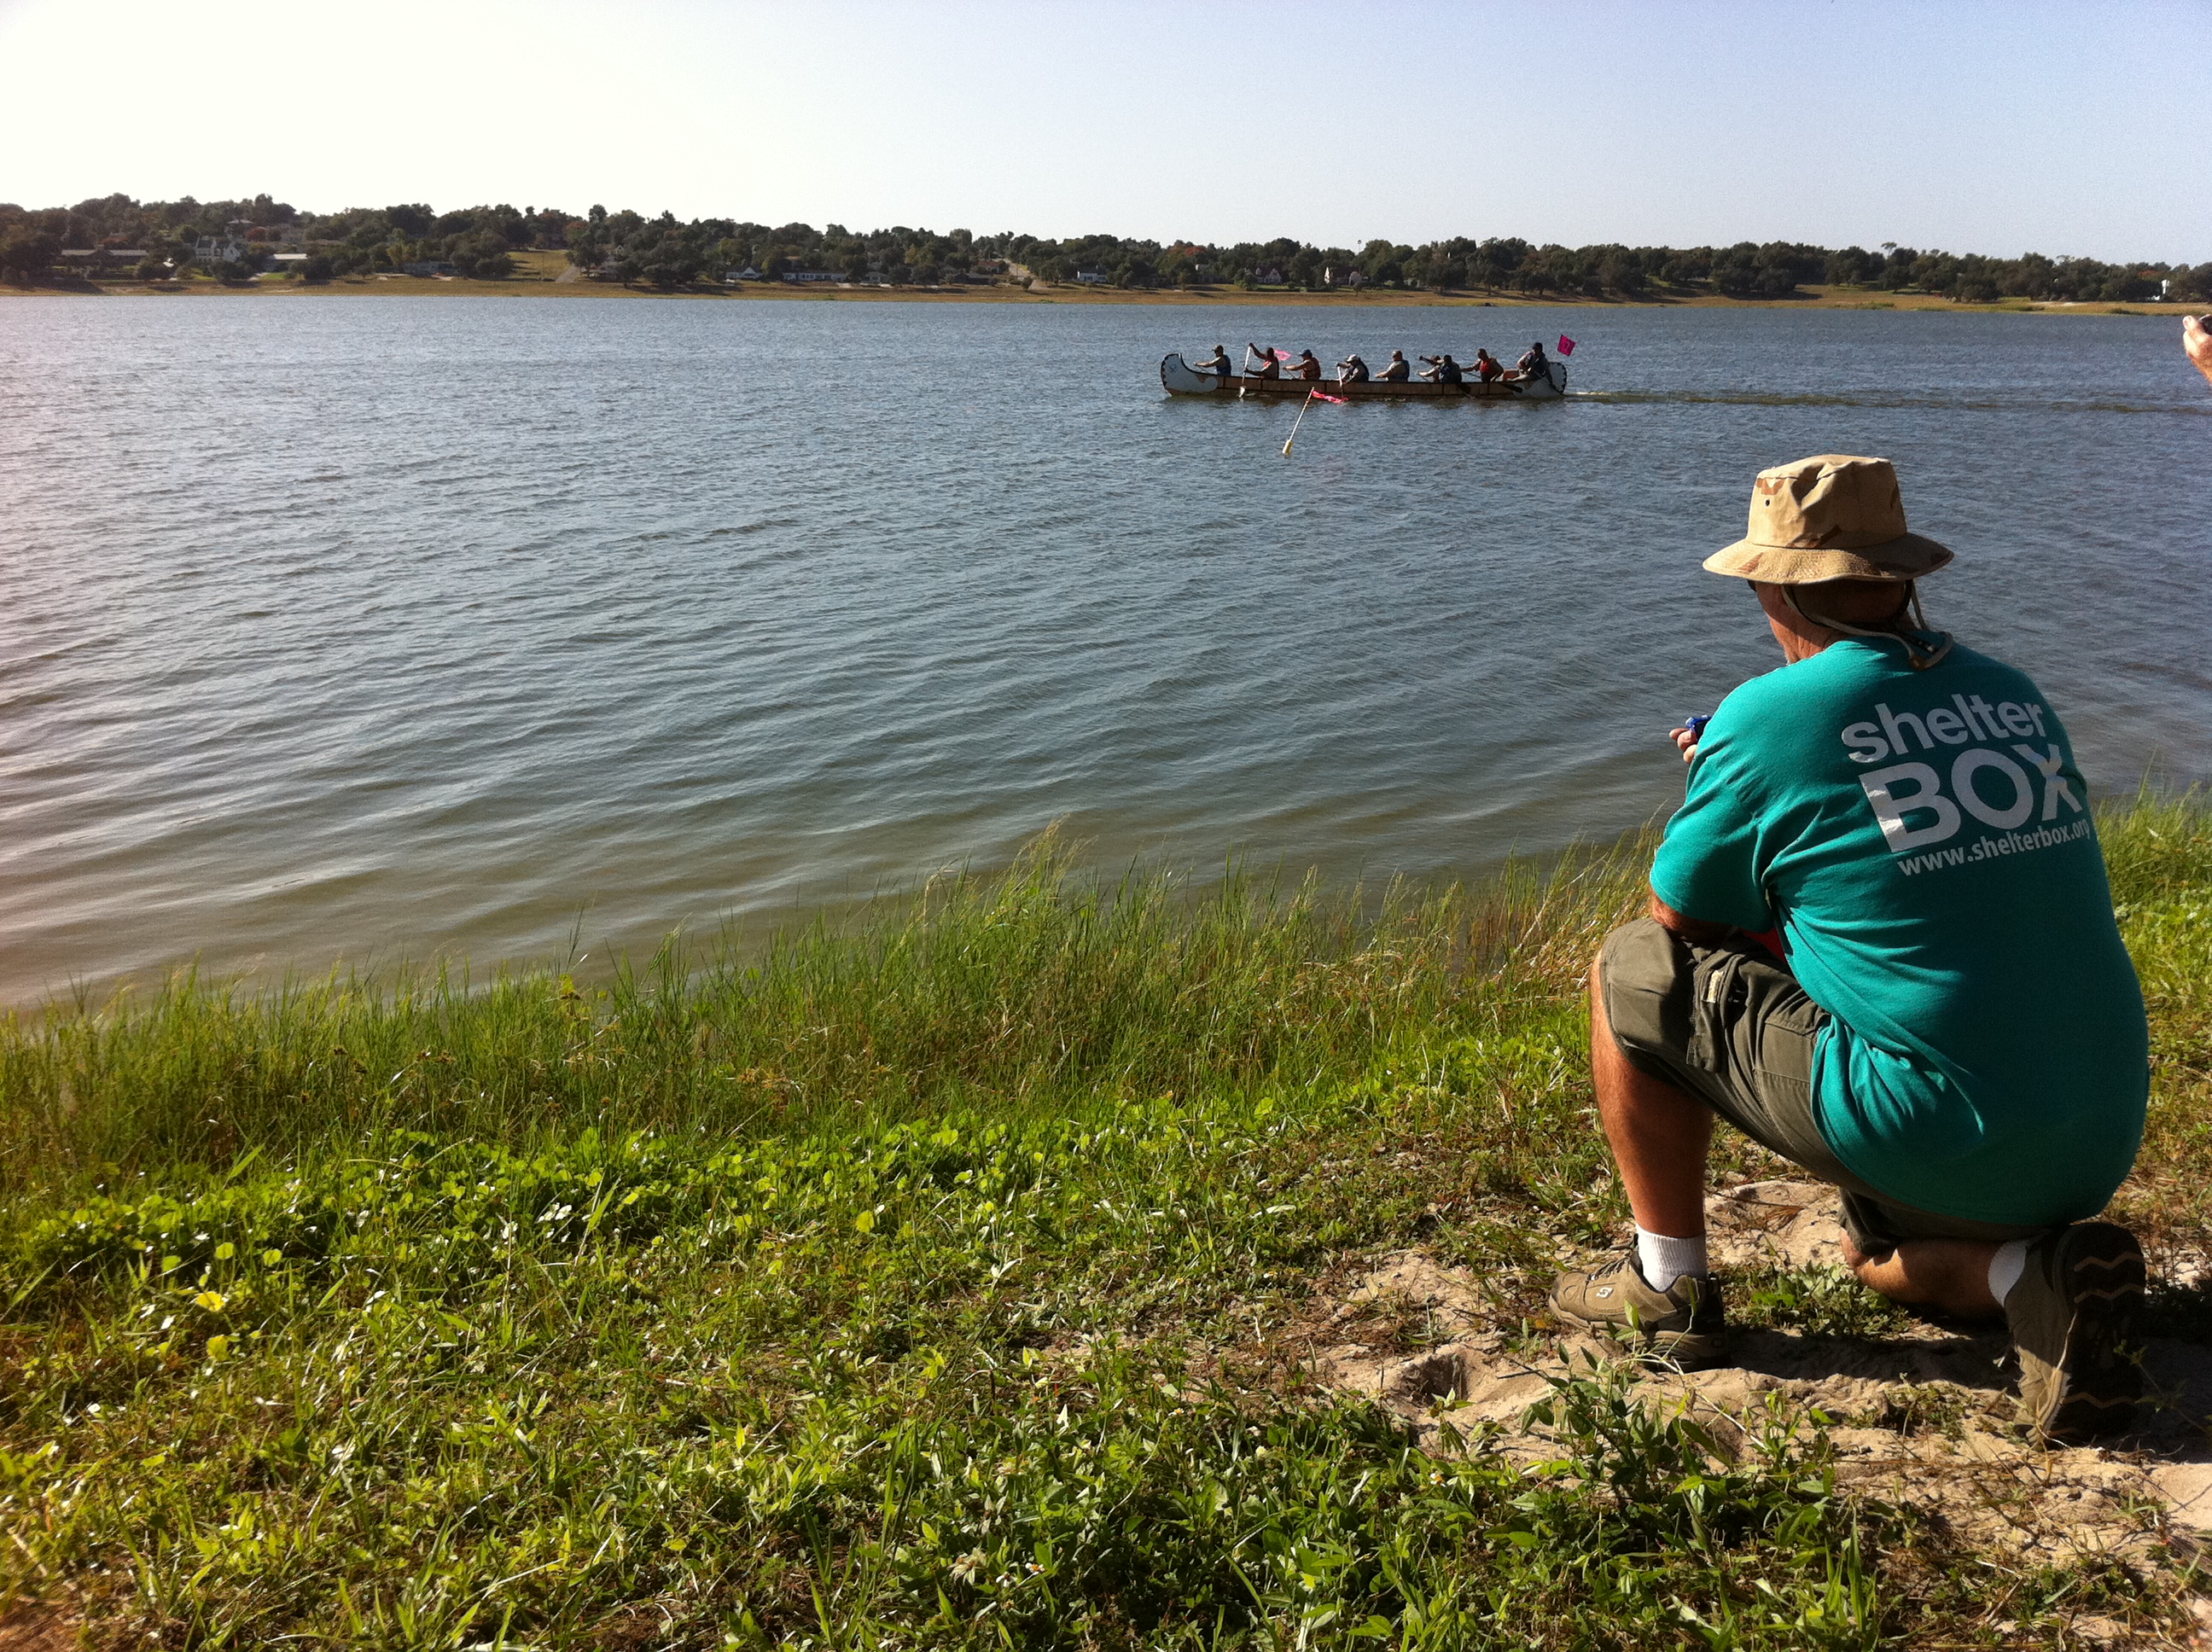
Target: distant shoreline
538 280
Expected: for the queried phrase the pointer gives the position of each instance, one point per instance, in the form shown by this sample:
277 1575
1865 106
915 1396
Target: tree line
666 252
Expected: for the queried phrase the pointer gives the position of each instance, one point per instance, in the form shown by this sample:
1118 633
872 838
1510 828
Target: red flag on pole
1566 345
1324 395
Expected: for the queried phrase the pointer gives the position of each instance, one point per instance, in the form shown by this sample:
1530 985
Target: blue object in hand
1696 725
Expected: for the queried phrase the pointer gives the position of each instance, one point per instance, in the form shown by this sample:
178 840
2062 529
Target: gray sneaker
2072 1315
1687 1323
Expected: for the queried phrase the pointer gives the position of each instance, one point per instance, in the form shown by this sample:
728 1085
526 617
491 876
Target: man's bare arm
2196 339
1696 930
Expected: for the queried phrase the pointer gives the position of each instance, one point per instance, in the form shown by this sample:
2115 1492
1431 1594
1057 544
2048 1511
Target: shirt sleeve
1709 864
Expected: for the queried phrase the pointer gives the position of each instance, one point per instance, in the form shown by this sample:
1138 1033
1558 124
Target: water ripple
381 626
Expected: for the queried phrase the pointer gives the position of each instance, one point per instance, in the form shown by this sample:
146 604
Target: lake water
369 628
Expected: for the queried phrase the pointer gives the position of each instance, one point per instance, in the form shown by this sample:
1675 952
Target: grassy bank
937 1281
547 275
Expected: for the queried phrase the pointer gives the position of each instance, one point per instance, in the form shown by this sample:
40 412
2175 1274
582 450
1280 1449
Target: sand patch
36 1629
1927 1419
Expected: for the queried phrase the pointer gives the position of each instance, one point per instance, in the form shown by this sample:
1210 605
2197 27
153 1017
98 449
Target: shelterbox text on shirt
1923 840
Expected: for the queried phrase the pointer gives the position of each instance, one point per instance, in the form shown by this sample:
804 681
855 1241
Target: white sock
1662 1260
2006 1267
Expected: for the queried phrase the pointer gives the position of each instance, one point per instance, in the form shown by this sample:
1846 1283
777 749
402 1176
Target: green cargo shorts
1729 1023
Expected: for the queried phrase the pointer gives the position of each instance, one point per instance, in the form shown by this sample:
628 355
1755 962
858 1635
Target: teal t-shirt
1922 840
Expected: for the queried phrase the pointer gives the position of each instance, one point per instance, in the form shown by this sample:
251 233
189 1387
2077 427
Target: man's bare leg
1951 1275
1660 1136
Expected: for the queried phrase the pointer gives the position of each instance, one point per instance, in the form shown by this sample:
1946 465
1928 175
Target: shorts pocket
1713 986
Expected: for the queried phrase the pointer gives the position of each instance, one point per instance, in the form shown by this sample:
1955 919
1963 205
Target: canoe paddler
1270 361
1308 366
1397 370
1487 367
1534 363
1443 370
1217 364
1351 371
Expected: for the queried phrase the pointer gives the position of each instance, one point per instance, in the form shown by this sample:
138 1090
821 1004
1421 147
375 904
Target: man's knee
1884 1274
1639 988
1640 955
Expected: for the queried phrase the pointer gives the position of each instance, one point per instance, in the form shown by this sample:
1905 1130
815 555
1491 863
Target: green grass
937 1279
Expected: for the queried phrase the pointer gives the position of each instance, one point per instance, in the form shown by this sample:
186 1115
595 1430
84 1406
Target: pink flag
1324 395
1566 345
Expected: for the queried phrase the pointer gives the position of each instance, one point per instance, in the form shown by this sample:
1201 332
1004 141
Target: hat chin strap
1917 654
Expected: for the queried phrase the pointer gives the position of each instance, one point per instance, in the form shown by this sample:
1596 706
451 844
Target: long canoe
1178 378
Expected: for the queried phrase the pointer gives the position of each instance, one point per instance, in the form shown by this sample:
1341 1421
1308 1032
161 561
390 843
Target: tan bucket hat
1834 516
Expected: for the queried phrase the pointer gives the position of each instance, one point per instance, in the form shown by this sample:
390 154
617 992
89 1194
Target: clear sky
2067 128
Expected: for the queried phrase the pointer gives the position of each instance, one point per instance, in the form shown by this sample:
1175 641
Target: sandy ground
37 1629
1928 1419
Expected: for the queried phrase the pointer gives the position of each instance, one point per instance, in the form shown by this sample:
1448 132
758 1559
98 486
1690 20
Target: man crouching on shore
1953 1034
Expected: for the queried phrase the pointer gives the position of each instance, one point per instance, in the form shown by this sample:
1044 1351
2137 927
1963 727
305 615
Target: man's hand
1685 742
1696 930
2196 339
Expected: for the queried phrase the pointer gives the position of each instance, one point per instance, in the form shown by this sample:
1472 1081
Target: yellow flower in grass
211 1300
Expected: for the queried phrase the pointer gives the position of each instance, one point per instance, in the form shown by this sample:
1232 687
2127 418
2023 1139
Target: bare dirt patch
1927 1419
36 1629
